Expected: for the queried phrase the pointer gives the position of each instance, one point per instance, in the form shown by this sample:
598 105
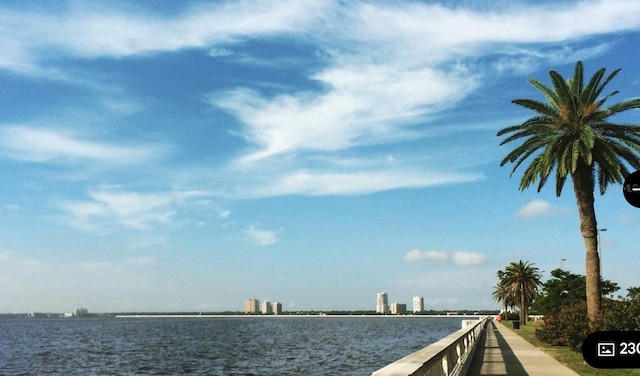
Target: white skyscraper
418 304
277 308
382 305
251 306
267 309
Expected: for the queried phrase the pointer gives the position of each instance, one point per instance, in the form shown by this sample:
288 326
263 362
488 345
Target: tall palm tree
572 134
521 279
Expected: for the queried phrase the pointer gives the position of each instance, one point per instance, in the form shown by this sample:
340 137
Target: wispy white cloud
468 258
113 206
390 66
337 174
387 65
219 52
92 30
384 72
416 255
129 209
357 182
364 105
520 23
459 258
539 208
46 145
261 236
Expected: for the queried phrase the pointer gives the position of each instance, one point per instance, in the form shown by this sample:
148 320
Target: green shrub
570 326
620 315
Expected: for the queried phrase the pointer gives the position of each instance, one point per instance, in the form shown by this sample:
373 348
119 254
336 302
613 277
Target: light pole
561 261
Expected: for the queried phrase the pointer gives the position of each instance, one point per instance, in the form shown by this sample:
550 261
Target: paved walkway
506 353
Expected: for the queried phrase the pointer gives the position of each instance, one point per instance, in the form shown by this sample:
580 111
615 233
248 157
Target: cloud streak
112 206
459 258
539 208
468 258
92 30
416 255
316 183
364 105
46 145
261 237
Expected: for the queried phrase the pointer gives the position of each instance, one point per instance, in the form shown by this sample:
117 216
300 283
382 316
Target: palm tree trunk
583 186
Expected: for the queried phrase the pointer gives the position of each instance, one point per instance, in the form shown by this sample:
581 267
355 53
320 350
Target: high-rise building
382 304
398 309
251 306
418 304
277 308
267 309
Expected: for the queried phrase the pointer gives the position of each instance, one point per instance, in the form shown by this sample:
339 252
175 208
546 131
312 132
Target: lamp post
561 263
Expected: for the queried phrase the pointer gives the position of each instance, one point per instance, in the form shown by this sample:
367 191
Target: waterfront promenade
503 352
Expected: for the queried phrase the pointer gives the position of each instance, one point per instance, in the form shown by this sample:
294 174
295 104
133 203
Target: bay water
244 346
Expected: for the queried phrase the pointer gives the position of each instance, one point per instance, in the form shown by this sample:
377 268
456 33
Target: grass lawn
565 356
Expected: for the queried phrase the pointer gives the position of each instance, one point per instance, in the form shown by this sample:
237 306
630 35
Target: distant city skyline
252 306
170 156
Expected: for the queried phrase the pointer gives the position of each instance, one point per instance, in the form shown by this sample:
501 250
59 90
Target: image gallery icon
606 349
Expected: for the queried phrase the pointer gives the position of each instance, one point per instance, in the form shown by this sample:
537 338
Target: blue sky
185 156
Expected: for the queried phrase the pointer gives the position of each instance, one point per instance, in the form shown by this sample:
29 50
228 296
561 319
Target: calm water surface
213 346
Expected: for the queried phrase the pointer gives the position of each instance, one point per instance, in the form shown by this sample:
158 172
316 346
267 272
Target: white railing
447 357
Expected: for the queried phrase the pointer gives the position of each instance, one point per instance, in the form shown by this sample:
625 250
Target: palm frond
578 79
590 93
624 106
537 106
571 132
551 96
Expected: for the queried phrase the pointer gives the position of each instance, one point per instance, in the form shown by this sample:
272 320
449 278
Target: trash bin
516 324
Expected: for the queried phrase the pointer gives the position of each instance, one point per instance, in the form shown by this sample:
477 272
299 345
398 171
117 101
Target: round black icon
631 189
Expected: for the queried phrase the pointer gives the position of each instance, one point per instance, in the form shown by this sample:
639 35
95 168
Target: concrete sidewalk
503 352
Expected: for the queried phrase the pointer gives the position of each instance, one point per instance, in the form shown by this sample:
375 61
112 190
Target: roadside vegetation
561 302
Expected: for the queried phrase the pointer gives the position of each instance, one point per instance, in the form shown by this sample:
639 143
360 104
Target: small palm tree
521 280
572 134
633 293
502 295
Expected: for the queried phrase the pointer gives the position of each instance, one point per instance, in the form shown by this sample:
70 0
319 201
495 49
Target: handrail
447 357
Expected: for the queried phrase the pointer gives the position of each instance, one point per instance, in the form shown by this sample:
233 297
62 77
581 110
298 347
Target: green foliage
572 130
621 315
633 293
565 288
570 325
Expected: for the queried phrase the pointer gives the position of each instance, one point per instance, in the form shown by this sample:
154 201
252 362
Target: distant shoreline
142 316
